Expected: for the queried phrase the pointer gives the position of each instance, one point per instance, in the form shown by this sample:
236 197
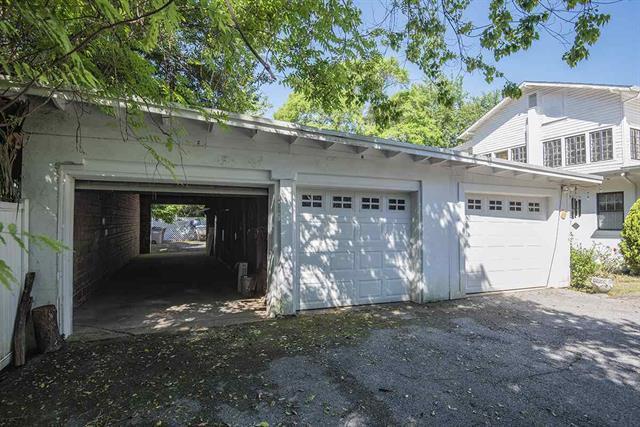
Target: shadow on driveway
539 357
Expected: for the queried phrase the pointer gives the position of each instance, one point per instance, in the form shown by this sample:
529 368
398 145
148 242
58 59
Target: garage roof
294 133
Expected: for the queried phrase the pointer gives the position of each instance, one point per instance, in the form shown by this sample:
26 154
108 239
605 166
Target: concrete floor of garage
165 292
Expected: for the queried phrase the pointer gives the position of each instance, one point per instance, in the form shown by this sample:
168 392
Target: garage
353 247
137 270
344 219
507 242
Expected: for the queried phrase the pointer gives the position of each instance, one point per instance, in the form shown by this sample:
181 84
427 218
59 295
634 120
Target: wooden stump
20 325
45 323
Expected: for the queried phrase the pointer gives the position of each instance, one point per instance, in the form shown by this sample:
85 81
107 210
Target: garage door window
311 201
370 203
397 204
534 206
495 205
342 202
610 211
474 204
515 206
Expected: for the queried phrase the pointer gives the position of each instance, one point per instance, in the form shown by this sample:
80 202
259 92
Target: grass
625 286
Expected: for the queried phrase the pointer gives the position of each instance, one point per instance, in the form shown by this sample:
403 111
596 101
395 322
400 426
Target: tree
169 213
416 114
630 244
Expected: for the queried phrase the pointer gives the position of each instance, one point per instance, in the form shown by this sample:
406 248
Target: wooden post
45 323
19 330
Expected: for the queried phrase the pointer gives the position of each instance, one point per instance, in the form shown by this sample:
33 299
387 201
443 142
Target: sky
615 59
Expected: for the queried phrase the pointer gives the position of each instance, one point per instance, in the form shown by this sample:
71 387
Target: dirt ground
538 357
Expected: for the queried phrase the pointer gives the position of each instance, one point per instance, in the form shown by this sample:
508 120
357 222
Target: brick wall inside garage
106 235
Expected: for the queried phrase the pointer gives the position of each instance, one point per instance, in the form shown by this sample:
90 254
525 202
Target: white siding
560 112
506 129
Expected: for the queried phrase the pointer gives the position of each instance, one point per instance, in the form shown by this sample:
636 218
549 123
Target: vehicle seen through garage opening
148 261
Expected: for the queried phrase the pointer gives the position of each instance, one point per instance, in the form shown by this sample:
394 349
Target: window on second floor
576 149
501 155
601 145
635 143
552 153
519 154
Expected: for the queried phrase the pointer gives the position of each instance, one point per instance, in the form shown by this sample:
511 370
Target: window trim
621 193
634 133
399 204
370 203
576 207
592 150
474 204
339 200
313 200
568 152
553 154
518 147
515 205
495 205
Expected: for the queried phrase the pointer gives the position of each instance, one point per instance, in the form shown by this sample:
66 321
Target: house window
311 201
370 203
501 155
534 206
397 204
601 145
576 208
519 154
610 210
552 153
474 204
495 205
515 206
576 149
635 144
533 100
341 202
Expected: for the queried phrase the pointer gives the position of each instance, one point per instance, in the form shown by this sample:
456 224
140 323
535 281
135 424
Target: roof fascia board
292 131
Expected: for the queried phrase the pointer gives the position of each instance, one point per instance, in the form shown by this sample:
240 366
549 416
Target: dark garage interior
133 275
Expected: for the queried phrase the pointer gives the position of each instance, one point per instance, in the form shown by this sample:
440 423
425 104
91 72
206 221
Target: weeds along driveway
541 357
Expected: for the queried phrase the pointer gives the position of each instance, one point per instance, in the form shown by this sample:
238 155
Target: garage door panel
371 232
327 229
505 249
364 248
395 288
397 260
323 294
370 259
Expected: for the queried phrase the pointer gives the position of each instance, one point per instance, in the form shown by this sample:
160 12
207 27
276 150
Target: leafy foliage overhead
414 114
218 53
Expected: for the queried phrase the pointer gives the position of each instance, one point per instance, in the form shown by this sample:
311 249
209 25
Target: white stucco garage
352 220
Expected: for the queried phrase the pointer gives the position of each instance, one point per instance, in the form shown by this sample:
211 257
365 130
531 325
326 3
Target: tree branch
255 53
82 45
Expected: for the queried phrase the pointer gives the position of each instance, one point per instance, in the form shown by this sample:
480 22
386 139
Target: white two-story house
589 128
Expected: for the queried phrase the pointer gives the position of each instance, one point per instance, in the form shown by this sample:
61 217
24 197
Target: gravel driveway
539 357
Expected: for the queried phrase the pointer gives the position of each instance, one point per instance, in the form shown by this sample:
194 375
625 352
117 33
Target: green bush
583 267
630 244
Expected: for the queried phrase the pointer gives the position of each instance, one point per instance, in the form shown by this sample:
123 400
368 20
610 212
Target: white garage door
353 248
507 243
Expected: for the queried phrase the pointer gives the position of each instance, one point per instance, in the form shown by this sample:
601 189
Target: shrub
630 244
583 267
